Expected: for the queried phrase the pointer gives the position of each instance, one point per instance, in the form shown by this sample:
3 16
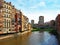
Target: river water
39 38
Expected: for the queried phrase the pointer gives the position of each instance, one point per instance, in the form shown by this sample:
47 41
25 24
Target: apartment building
6 13
24 23
18 21
21 22
32 23
14 10
11 19
41 20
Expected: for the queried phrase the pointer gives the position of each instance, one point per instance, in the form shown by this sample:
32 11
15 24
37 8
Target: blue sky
35 8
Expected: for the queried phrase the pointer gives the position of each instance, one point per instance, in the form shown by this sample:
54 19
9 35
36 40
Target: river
38 38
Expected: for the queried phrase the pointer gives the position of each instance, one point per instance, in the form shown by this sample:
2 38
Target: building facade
24 23
18 21
6 14
11 19
58 24
52 23
32 23
41 20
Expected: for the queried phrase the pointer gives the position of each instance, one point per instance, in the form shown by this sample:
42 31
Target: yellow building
24 23
29 27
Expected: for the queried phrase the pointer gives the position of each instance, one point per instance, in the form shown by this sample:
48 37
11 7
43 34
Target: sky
35 8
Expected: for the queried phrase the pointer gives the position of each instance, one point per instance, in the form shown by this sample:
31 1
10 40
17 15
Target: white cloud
20 2
56 6
54 1
42 4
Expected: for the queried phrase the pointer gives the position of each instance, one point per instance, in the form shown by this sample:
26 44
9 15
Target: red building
18 22
58 23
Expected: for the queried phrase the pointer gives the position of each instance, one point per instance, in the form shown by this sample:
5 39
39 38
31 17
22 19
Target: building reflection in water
36 38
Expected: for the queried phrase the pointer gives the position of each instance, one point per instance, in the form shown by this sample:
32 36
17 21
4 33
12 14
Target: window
9 23
9 7
0 10
5 23
9 16
0 30
13 21
9 11
6 10
4 6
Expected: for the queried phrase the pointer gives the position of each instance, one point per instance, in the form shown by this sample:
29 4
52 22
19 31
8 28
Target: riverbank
29 38
13 39
43 29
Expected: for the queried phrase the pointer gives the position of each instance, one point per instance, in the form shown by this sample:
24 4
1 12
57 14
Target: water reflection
36 38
